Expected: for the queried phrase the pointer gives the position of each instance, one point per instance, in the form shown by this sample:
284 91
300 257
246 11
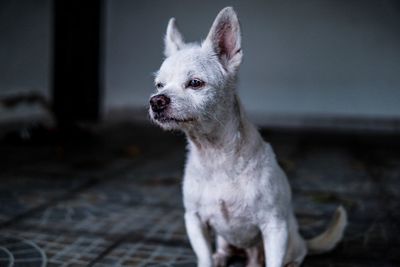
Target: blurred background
303 59
86 180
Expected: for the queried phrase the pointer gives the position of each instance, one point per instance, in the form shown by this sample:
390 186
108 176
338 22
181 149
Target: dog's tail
332 235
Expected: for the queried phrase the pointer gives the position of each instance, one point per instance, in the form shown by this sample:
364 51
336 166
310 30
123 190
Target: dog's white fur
233 184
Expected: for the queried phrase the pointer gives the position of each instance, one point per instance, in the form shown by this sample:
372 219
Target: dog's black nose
159 102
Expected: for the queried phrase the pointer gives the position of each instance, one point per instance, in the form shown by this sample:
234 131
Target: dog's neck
226 135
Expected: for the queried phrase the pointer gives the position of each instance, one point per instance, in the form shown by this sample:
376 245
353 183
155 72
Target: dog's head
195 83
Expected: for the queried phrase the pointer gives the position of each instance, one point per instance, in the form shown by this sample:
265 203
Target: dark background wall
24 44
25 51
301 57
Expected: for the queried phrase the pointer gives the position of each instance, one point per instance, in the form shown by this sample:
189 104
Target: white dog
233 184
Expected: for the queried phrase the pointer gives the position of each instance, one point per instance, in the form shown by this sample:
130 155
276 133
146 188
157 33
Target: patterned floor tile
110 220
147 254
20 194
133 215
37 248
17 252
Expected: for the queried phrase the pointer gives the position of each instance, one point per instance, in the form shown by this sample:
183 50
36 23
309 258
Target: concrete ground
113 197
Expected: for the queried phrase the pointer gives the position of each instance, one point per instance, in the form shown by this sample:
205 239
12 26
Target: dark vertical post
77 63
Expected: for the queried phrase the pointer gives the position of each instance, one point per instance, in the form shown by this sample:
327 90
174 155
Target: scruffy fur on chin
232 184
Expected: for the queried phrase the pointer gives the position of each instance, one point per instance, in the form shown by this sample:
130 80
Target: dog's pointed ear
224 39
173 40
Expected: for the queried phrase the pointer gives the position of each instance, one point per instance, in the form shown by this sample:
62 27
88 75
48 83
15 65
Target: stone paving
114 199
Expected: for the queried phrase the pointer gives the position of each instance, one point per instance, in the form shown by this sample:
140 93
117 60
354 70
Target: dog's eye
195 83
159 85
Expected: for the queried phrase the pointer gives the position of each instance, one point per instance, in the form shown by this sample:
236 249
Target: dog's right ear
173 40
224 39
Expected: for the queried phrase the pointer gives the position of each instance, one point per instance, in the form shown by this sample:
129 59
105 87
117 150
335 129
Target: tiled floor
115 200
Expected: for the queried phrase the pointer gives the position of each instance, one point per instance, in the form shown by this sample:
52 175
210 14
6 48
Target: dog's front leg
275 239
199 239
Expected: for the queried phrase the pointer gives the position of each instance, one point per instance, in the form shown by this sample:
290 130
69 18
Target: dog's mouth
166 119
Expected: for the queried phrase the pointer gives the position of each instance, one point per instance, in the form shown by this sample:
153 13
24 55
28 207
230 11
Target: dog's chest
223 203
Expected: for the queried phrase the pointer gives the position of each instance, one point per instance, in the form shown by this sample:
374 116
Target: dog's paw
220 259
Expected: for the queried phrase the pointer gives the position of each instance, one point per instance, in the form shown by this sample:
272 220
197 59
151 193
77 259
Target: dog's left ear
173 40
224 39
